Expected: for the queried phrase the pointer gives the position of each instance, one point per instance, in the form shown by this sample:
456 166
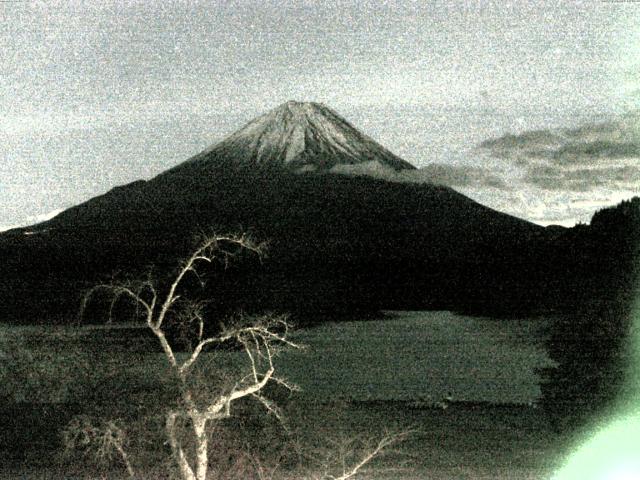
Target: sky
529 107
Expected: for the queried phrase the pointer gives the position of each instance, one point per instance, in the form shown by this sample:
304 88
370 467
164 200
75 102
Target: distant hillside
601 267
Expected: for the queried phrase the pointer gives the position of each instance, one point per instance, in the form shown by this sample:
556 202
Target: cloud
372 169
462 176
584 179
563 175
456 176
592 157
526 141
594 151
547 207
603 143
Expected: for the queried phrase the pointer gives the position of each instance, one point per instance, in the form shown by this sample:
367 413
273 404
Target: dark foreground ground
359 380
461 441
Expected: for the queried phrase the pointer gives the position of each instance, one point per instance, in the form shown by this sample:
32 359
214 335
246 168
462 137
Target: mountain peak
299 110
295 105
300 135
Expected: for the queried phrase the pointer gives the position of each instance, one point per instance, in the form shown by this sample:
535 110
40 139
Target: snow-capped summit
300 135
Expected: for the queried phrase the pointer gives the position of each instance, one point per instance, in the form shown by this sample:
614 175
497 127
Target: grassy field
406 356
359 379
421 356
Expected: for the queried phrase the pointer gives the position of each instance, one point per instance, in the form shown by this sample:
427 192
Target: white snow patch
286 132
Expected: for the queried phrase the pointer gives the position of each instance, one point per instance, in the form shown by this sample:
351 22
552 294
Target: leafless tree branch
102 440
341 456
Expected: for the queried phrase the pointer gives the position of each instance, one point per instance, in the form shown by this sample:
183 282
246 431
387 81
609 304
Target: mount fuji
338 243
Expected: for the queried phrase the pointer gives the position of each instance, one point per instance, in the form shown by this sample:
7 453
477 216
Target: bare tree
199 407
259 337
102 440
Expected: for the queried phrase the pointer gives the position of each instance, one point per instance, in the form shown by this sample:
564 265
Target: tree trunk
186 472
202 458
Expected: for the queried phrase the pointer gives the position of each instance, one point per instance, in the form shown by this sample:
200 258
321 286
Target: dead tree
259 338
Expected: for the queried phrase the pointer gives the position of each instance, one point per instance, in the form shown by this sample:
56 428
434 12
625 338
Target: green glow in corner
612 452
